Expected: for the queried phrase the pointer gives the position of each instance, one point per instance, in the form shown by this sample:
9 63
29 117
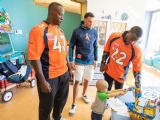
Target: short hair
137 30
53 4
88 14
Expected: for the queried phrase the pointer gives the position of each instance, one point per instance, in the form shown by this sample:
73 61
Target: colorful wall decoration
5 22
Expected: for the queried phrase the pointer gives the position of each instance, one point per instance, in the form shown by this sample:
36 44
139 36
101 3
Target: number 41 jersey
47 43
120 56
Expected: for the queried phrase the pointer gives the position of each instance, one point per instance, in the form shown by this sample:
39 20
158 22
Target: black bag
8 68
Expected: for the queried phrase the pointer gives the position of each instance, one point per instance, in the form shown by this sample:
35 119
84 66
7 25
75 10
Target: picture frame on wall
105 27
101 27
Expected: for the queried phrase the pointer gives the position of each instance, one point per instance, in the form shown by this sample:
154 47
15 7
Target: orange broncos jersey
120 56
47 43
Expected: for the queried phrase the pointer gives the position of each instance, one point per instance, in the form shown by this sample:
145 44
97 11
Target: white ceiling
75 7
152 5
68 5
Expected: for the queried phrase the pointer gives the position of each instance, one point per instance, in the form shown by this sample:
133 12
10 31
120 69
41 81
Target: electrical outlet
20 31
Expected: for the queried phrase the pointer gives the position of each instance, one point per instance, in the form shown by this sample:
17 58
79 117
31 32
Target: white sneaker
63 119
60 119
86 100
72 110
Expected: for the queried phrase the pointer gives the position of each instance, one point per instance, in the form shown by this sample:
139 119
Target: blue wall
24 15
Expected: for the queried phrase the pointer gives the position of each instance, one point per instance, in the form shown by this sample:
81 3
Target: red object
5 83
79 56
31 73
115 46
155 100
8 83
50 36
2 84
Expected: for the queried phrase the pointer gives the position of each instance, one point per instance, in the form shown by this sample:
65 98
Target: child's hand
122 92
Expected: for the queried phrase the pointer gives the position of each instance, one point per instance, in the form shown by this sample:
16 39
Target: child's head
102 85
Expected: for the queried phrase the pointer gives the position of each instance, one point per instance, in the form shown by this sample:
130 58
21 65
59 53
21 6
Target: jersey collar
124 33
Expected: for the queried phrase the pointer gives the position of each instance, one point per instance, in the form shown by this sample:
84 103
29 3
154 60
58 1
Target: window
154 34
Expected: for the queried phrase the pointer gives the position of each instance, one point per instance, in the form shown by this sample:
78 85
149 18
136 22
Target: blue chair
156 62
148 58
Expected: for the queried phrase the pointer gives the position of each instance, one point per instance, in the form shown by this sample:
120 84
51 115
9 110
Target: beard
125 40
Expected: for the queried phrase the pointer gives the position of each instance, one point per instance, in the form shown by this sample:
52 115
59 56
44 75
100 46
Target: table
128 97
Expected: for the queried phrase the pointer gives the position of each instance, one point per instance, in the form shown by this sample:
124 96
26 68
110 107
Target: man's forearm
104 57
68 64
137 76
38 68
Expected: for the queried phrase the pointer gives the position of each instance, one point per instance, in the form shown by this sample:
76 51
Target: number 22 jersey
120 56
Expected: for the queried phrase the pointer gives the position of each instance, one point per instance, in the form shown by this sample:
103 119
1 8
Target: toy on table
144 113
131 88
139 112
137 96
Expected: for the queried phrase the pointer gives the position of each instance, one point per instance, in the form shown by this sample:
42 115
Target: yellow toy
141 113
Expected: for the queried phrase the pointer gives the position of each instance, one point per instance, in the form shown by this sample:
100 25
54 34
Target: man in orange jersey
48 53
121 49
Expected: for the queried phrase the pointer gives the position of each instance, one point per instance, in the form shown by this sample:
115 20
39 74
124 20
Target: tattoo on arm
137 76
104 57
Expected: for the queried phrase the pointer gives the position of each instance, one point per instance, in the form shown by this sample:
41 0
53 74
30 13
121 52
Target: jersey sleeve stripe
45 56
133 52
45 37
114 40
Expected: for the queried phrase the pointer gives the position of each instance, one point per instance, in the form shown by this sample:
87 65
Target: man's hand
103 68
71 75
138 90
73 65
94 64
45 87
